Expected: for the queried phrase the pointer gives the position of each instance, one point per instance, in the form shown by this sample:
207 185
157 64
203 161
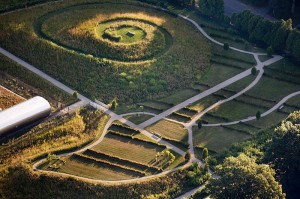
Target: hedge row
279 35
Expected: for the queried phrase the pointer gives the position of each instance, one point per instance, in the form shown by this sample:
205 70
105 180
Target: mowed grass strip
170 130
95 171
217 138
218 73
138 119
128 148
270 88
235 110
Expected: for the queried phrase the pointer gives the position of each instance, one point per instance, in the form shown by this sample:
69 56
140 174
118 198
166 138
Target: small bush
270 51
226 46
253 71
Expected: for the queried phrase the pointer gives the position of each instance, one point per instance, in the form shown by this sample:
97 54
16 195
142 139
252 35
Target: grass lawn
8 99
179 96
218 73
269 88
217 138
170 130
234 110
80 168
127 148
138 119
241 84
270 120
204 103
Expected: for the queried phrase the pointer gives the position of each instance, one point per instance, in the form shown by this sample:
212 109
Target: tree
253 71
284 154
205 153
258 115
226 46
242 177
283 9
270 51
114 104
213 8
293 44
199 125
75 94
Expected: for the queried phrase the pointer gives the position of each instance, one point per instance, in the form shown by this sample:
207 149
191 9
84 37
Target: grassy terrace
80 168
170 131
120 146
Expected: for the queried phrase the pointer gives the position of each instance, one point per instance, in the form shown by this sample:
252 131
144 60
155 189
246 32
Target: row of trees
279 35
282 9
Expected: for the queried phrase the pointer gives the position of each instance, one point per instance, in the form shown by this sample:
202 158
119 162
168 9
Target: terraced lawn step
123 129
187 112
129 148
217 62
129 137
179 117
121 161
90 160
234 58
280 77
158 105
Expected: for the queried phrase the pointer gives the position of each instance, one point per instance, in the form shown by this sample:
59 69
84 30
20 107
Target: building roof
23 113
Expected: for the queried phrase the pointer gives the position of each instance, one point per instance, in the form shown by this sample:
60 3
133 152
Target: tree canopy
242 177
284 153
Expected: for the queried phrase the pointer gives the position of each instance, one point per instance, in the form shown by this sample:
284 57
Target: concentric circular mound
126 37
107 49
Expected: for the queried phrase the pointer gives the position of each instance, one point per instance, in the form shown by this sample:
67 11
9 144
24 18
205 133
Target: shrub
258 115
226 46
270 51
253 71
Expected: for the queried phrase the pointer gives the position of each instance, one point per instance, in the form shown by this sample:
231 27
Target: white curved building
24 113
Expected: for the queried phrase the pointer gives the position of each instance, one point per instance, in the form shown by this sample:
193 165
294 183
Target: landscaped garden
170 89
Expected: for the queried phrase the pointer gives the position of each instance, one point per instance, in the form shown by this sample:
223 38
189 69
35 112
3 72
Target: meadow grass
126 148
94 171
169 130
138 119
217 138
179 67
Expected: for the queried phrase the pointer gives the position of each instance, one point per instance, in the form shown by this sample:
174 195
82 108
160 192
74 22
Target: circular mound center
124 34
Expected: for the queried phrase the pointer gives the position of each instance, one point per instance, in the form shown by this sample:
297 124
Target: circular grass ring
152 40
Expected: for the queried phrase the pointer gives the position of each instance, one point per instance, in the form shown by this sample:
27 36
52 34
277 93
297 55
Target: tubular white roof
24 112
